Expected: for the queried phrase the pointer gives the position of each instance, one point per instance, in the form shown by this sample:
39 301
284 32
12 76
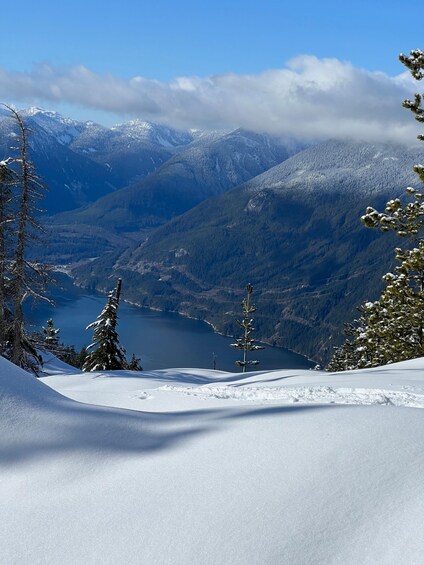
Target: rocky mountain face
294 232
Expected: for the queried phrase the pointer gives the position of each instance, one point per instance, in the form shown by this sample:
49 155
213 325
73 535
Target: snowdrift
191 466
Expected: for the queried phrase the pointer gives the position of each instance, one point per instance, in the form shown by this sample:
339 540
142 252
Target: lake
162 340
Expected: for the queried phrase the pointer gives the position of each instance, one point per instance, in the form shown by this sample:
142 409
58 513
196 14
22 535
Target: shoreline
103 292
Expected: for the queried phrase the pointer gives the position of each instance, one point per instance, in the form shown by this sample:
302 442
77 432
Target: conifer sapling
246 342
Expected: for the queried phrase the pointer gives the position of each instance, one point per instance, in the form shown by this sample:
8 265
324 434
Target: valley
188 218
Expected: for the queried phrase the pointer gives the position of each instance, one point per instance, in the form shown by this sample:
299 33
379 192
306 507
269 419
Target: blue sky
162 38
48 48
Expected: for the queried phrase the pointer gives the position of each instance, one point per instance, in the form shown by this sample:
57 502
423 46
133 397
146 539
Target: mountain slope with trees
212 164
294 232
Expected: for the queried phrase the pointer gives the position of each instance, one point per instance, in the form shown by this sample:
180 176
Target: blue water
162 340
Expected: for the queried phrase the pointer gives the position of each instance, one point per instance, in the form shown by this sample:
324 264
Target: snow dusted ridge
189 466
65 130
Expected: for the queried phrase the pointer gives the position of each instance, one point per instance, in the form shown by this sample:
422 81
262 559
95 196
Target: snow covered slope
285 467
343 167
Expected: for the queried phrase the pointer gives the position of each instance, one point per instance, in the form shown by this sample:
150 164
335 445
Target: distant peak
140 124
34 110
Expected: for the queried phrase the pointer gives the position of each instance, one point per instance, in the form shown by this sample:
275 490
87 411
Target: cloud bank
310 98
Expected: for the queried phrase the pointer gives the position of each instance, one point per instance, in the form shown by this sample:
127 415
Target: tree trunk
19 261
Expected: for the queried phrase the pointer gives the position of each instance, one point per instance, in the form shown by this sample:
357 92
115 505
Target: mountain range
82 161
189 218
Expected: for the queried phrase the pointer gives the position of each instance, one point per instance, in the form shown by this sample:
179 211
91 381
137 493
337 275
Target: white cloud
311 98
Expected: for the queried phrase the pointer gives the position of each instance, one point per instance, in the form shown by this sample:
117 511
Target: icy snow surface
190 466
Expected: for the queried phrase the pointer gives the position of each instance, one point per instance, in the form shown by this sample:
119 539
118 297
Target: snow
154 133
191 466
341 167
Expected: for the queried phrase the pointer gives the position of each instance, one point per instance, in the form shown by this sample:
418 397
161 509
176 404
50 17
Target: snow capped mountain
72 179
130 153
66 130
343 166
81 161
63 130
153 133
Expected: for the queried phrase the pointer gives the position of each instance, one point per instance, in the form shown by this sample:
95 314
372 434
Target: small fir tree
51 335
105 353
246 343
134 364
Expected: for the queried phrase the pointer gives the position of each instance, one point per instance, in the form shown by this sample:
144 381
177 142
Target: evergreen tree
105 353
51 337
392 328
134 364
246 342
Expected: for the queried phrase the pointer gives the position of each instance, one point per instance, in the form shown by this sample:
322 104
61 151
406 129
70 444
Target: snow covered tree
51 334
105 353
48 340
246 343
392 328
405 219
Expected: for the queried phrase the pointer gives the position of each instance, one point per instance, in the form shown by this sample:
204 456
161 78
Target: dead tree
25 276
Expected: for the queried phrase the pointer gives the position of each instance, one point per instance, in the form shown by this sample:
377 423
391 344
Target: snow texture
184 466
342 167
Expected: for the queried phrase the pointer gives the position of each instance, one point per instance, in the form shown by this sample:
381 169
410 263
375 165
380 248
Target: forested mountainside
211 164
208 166
294 232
